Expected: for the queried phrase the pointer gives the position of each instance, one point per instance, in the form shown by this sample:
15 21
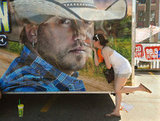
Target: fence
147 65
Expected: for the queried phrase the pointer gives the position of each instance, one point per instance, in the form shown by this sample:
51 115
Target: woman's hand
92 48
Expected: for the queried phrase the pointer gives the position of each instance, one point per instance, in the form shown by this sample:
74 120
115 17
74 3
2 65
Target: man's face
61 42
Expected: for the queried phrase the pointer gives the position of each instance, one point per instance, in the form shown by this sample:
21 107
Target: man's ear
31 32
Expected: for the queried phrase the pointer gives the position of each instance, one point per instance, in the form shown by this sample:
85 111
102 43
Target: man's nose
80 31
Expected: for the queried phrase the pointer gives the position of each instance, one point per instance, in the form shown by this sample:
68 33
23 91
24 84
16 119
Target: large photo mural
59 46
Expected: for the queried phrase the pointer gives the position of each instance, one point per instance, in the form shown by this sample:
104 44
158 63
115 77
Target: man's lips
77 50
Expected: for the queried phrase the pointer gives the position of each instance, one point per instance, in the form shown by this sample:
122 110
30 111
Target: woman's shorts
127 75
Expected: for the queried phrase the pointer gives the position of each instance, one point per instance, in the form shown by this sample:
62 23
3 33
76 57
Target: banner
144 33
147 52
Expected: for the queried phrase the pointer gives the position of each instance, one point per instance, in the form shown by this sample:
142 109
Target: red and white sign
147 52
139 51
151 53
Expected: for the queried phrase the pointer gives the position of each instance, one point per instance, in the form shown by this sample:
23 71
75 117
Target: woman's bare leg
118 84
119 89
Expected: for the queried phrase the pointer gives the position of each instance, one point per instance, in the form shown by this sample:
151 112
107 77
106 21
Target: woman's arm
106 59
95 57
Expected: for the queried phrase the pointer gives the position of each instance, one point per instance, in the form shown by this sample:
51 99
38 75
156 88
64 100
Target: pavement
83 107
146 107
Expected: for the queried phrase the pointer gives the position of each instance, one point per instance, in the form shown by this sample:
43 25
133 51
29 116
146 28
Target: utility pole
148 13
148 16
134 9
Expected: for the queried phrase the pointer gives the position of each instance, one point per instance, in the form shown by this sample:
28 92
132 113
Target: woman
122 70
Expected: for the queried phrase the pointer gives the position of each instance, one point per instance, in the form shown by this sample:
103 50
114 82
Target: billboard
50 46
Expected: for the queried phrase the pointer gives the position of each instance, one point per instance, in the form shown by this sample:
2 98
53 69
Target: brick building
159 20
154 17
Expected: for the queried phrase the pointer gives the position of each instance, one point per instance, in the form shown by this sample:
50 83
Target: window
141 1
141 16
153 16
144 1
153 1
140 24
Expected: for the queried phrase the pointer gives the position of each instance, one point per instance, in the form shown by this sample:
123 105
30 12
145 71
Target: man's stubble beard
64 60
70 61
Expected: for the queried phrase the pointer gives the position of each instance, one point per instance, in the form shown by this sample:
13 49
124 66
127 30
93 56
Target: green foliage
14 47
91 70
123 46
119 28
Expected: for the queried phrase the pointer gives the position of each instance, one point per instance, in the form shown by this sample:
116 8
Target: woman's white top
120 64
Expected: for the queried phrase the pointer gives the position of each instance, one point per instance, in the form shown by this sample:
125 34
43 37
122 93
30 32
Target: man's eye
88 22
65 21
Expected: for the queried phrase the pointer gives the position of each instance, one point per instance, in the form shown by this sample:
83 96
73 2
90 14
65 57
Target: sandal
147 90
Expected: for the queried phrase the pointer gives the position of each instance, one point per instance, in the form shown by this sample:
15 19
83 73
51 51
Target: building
142 15
159 20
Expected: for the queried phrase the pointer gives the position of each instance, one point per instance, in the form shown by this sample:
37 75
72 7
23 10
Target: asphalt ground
58 107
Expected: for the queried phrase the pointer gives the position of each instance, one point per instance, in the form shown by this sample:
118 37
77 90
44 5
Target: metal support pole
133 39
148 17
148 13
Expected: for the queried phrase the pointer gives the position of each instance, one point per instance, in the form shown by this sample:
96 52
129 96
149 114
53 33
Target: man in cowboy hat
54 43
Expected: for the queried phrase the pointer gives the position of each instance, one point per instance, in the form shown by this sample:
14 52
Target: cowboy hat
38 10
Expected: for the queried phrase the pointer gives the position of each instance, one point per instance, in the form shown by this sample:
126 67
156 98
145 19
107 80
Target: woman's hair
101 38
